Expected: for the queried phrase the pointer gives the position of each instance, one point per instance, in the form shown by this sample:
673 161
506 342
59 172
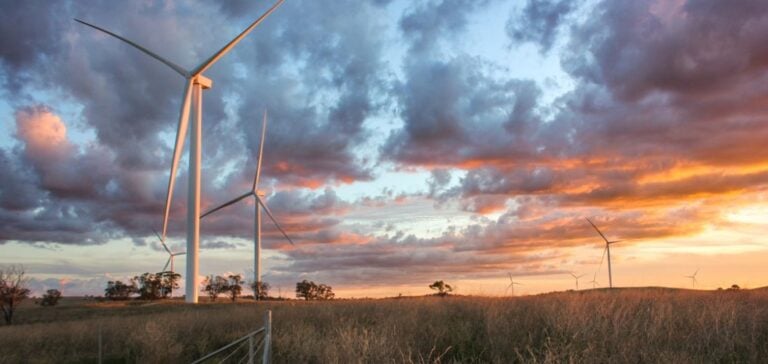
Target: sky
408 142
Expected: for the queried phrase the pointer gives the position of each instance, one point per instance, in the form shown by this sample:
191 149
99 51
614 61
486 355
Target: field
618 326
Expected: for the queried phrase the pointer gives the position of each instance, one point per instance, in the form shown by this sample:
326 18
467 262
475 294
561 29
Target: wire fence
243 350
246 348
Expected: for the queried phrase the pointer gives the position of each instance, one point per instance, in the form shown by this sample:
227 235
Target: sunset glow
408 142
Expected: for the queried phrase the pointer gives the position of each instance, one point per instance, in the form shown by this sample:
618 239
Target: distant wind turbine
193 90
171 255
693 278
576 277
594 282
512 284
258 205
607 249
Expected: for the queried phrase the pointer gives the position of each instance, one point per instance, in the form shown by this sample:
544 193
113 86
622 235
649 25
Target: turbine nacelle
203 81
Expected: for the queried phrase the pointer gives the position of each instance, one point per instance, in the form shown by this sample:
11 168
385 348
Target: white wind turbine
693 278
258 205
576 277
171 255
594 283
607 249
193 89
512 284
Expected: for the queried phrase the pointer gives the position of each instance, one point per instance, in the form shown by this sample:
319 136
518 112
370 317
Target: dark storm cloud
28 33
454 112
539 22
637 47
19 190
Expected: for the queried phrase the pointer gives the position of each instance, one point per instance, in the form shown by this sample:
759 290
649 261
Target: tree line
154 286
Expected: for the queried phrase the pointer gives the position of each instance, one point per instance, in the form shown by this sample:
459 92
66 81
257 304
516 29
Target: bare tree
13 290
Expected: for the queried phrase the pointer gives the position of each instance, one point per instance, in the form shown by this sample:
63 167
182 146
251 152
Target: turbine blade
261 152
166 264
210 61
227 204
168 63
181 134
182 253
598 231
162 242
269 213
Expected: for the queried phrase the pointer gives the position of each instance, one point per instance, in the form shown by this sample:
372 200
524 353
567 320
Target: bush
51 297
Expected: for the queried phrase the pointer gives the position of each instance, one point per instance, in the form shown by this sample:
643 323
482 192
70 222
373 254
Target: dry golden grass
619 326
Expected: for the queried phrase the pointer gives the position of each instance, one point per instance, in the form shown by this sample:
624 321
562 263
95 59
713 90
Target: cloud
426 23
539 22
660 132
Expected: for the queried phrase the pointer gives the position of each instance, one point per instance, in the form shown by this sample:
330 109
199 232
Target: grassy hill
601 326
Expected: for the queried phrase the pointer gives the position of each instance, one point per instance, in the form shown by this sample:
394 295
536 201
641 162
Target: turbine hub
203 81
261 193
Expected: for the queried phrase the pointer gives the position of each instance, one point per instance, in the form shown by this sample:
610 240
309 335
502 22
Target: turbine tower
196 82
512 284
576 277
607 249
693 278
258 205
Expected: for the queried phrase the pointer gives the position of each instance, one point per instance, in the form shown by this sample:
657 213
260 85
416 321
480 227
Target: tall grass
624 325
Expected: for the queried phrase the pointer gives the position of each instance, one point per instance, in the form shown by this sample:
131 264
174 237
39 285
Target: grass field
619 326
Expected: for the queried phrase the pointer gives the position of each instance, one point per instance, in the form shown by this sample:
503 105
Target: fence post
100 343
251 352
266 359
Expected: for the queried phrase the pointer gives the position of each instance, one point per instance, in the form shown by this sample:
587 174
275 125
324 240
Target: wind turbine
258 205
607 249
171 255
576 277
512 284
693 278
193 89
594 283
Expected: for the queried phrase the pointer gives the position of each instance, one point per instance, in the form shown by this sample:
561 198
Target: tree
117 290
260 290
214 286
234 286
13 290
308 290
51 297
325 292
168 282
441 287
149 286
